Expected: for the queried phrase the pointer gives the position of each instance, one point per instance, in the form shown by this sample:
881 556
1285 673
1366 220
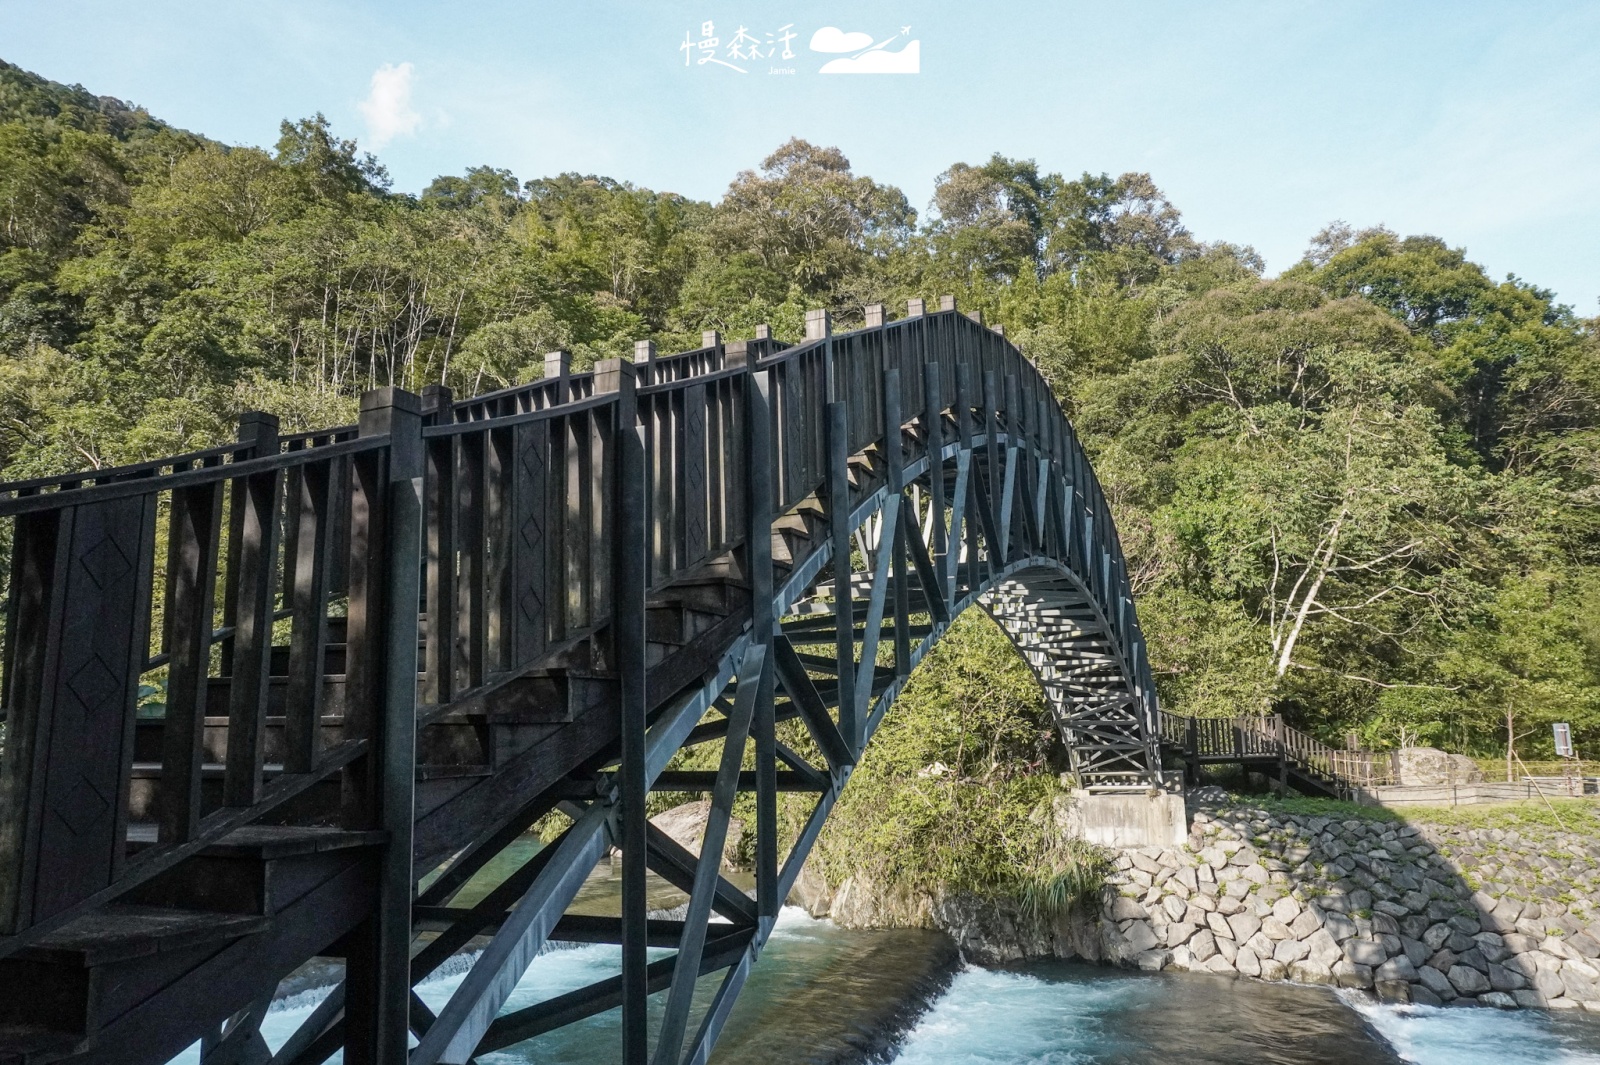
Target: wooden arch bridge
283 699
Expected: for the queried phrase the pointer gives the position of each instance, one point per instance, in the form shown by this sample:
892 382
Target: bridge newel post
383 642
629 580
838 442
819 326
644 355
947 303
874 315
758 553
916 307
558 368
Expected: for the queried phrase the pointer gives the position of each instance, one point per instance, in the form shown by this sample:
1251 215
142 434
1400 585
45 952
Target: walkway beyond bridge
282 699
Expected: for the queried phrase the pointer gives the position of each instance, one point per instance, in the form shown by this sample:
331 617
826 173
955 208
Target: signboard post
1563 734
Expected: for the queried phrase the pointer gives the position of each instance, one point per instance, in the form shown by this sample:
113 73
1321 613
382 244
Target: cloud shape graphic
907 60
387 108
833 39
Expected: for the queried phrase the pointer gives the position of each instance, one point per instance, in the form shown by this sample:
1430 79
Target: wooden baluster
256 497
472 486
440 514
308 568
693 476
192 541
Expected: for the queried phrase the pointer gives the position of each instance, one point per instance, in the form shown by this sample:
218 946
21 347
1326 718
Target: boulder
1285 910
1310 972
1153 961
1126 909
1324 951
1349 974
1365 952
1275 928
1140 937
1392 991
1437 982
1244 925
1431 766
1503 979
1467 980
686 825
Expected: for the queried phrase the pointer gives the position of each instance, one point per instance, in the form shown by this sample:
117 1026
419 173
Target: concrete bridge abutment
1128 820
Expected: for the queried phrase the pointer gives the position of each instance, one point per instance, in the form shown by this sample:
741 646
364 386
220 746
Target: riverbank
1496 907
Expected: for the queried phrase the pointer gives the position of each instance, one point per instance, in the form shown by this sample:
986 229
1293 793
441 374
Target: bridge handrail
1268 736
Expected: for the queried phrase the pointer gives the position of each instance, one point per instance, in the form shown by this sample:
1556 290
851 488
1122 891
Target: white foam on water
1433 1035
999 1018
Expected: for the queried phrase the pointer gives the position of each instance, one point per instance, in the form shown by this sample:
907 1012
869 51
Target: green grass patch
1562 815
1308 807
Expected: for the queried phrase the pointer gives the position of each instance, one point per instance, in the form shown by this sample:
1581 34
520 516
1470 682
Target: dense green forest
1362 494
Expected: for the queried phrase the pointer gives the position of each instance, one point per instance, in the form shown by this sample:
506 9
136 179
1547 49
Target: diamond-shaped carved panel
94 684
531 604
105 563
533 533
82 808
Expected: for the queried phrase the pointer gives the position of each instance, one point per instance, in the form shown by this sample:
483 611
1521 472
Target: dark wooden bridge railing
1255 737
184 572
117 581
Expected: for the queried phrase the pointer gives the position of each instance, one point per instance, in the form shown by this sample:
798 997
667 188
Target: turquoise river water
822 994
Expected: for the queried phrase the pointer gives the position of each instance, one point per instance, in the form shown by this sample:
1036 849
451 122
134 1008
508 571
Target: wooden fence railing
1258 737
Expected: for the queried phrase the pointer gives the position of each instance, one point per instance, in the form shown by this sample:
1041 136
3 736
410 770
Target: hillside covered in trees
1363 493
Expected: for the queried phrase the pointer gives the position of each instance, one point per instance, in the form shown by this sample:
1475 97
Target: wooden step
120 932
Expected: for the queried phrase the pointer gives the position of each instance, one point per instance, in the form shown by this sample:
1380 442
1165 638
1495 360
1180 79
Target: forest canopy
1362 493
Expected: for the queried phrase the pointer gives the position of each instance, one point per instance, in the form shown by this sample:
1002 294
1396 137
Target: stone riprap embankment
1409 913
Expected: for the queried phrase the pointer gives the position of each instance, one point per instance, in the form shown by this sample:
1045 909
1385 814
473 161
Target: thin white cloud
387 108
833 39
907 60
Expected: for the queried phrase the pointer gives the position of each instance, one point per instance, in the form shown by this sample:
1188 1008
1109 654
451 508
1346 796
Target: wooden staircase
221 929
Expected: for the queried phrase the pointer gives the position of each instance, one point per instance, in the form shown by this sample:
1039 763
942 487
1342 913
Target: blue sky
1262 121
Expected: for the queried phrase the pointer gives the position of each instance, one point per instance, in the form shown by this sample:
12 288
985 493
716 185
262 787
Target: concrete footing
1146 819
